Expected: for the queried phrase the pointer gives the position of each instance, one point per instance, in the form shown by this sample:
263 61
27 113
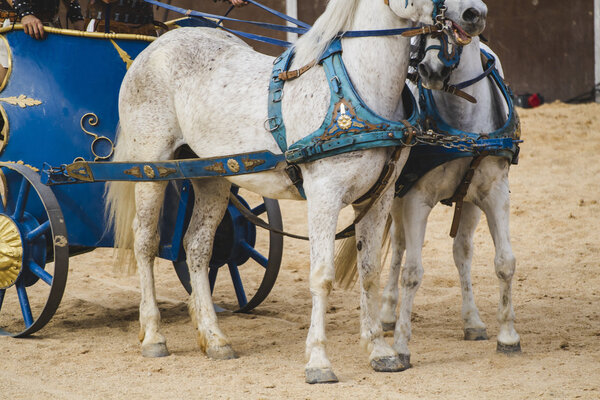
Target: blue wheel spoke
37 232
212 277
25 307
256 256
238 285
40 273
2 291
21 200
259 209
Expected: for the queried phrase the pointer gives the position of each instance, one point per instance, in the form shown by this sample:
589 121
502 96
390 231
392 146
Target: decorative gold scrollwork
92 119
21 101
250 164
11 252
123 54
216 167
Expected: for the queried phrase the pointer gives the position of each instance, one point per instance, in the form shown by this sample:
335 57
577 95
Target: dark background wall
546 46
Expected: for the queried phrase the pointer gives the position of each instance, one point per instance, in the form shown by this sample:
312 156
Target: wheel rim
30 299
241 251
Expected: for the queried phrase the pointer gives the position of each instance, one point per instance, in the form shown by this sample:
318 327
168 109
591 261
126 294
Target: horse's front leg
496 206
389 298
323 211
148 198
211 199
414 214
369 235
474 328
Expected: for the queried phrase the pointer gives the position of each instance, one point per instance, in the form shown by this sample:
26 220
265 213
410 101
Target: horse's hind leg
211 199
149 198
389 297
496 208
369 234
474 328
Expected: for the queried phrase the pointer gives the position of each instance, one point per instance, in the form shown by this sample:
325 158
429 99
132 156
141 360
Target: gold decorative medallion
134 171
11 252
233 165
149 171
216 167
251 164
21 101
344 121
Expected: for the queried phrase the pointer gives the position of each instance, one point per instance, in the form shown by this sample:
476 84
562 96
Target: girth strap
460 193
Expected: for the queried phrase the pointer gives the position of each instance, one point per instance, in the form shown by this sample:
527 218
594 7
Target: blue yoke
349 125
503 142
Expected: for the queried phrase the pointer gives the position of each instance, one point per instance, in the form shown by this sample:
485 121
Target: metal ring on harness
277 99
267 124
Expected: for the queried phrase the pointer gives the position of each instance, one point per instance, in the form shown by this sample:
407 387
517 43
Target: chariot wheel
252 272
34 251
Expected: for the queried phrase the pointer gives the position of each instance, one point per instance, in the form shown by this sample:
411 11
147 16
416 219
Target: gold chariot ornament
11 252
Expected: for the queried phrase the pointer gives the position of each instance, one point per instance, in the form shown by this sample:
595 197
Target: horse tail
346 271
345 263
120 212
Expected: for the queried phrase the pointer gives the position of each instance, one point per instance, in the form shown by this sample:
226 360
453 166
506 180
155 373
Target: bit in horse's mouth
462 38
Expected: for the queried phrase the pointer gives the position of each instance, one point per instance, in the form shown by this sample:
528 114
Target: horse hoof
388 326
476 334
320 375
405 360
508 348
155 350
389 364
221 353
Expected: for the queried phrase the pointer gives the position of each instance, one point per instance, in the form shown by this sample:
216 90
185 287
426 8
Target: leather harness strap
289 75
424 30
460 193
457 92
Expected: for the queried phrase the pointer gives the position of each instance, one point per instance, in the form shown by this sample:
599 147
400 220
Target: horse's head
467 17
456 22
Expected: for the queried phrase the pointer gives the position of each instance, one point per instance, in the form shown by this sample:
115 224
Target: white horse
204 88
488 191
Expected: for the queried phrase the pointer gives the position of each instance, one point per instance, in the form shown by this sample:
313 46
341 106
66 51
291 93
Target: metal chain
459 142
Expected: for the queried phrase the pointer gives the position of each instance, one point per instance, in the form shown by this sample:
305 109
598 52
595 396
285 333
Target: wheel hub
11 252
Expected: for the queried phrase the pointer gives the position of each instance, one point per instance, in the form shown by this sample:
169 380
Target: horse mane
337 17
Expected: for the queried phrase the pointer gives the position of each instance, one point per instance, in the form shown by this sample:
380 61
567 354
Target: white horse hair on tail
489 191
204 88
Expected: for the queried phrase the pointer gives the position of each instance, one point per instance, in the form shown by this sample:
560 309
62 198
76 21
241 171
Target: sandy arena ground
90 350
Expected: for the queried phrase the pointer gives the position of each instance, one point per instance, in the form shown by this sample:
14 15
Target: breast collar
502 142
349 124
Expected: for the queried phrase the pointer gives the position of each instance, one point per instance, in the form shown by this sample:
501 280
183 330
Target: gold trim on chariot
123 54
95 35
22 101
11 252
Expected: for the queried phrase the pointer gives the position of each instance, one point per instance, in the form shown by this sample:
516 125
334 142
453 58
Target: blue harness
349 125
503 142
